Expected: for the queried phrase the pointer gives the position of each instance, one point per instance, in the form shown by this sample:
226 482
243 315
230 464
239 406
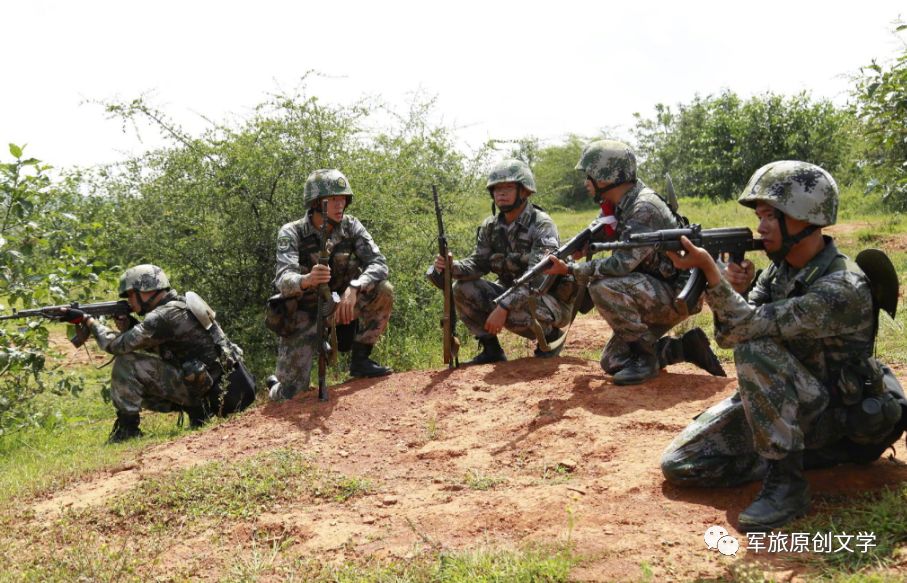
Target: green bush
207 208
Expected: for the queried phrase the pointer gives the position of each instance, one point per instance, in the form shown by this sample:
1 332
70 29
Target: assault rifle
117 308
449 317
734 242
577 243
326 352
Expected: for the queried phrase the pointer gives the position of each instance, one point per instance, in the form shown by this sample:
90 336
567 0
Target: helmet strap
145 307
788 241
316 208
518 201
599 191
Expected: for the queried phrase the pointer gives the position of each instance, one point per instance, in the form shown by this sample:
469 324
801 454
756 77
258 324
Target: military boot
642 366
491 351
124 428
692 347
198 416
363 366
554 338
784 496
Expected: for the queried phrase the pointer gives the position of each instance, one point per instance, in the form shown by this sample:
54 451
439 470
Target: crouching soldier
507 244
177 359
634 289
356 273
810 392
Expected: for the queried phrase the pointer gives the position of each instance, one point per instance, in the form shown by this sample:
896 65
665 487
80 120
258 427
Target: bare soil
567 454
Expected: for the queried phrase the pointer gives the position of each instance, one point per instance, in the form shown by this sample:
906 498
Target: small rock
369 519
389 500
343 453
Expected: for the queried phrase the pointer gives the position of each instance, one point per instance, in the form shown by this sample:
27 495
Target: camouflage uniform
793 337
147 372
355 261
791 341
634 289
508 251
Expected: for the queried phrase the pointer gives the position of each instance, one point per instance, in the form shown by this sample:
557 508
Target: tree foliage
47 256
207 208
881 104
713 144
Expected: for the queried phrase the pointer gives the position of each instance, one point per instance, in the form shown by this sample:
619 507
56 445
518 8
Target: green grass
883 513
529 565
235 490
475 479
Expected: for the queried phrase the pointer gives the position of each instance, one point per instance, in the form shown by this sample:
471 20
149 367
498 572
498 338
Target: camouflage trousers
776 410
474 300
296 352
638 308
143 381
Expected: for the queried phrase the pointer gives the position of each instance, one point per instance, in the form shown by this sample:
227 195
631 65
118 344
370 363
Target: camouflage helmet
511 170
143 278
800 190
608 160
324 183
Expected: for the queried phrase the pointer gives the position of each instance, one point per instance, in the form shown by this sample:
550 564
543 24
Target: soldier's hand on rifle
346 309
495 322
440 263
74 316
319 274
556 266
696 257
122 322
580 253
740 276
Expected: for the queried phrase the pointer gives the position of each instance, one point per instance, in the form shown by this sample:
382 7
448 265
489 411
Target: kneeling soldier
356 272
176 359
508 243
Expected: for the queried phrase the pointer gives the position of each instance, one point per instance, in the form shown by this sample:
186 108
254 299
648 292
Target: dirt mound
528 450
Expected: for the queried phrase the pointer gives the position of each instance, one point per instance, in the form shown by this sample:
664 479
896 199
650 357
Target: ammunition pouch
196 375
873 398
565 289
283 315
280 315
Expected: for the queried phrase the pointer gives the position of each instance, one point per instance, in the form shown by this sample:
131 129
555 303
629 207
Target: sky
498 70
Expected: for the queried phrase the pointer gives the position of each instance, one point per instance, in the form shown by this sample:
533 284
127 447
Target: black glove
73 316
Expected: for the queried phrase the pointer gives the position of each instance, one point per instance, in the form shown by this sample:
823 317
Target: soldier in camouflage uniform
357 272
168 362
807 325
634 289
507 244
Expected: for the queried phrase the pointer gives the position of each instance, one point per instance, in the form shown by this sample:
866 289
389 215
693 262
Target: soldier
809 390
508 243
634 289
186 364
357 272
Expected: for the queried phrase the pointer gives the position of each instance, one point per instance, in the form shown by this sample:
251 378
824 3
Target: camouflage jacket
509 250
355 258
169 330
822 312
640 210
